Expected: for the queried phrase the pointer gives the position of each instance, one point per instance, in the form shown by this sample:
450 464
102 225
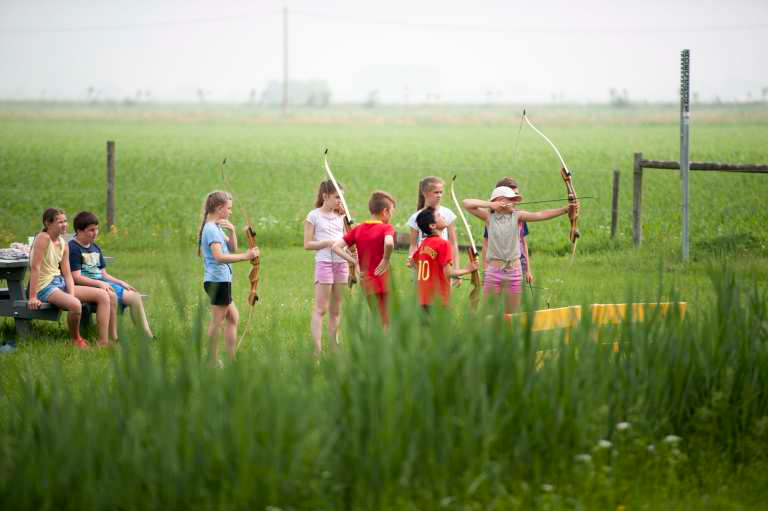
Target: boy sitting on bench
89 269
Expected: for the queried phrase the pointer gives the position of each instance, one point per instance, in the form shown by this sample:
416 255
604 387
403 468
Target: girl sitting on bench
50 280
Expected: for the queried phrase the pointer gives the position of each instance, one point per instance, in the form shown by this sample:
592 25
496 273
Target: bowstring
244 211
517 139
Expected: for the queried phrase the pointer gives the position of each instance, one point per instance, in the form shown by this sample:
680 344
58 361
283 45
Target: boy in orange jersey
433 260
375 241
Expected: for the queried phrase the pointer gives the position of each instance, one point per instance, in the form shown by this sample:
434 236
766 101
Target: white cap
504 191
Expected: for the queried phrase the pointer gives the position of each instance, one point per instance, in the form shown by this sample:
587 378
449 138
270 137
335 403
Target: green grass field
458 417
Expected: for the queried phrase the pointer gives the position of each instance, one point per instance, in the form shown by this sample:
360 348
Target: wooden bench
13 299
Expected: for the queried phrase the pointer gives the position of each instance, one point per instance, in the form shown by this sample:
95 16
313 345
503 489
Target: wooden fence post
110 184
615 203
637 200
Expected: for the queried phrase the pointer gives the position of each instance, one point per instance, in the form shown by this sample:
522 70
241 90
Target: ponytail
426 185
49 215
326 187
212 201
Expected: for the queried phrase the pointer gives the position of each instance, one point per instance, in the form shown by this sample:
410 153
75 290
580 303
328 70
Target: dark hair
326 187
380 201
425 219
212 201
508 182
425 185
83 220
49 215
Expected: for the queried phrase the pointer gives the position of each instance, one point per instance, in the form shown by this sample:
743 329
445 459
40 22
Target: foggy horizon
412 53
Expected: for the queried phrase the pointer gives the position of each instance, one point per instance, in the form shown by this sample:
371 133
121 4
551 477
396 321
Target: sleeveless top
49 266
504 239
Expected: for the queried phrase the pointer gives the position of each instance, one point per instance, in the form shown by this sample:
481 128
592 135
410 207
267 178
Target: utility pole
285 60
684 147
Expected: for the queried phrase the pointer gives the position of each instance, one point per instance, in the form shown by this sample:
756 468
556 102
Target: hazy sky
521 51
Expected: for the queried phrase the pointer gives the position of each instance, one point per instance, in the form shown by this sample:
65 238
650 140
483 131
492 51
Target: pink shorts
497 280
327 272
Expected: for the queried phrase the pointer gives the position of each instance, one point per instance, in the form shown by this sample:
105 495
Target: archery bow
573 216
347 217
474 295
253 275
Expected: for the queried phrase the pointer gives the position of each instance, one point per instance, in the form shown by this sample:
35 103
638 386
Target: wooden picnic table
13 299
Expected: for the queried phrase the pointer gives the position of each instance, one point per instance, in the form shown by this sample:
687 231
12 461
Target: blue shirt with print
88 260
213 271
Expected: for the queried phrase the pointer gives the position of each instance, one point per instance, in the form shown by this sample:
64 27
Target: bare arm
231 234
389 246
41 243
223 258
65 271
539 216
528 269
81 280
413 245
309 239
458 272
339 247
117 281
479 208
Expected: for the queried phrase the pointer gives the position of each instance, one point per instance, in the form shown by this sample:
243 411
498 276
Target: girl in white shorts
324 226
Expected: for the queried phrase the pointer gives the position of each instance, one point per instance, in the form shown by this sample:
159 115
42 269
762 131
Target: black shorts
220 293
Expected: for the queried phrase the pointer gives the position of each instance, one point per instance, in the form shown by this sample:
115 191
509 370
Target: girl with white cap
503 272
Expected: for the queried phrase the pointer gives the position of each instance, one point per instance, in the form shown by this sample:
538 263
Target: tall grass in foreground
461 414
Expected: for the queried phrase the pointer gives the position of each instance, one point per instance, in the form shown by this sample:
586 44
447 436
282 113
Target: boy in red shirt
375 241
433 260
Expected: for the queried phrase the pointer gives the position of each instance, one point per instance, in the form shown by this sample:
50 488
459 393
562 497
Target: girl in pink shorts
324 226
503 273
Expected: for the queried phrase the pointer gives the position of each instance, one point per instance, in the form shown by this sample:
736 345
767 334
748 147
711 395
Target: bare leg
322 297
112 313
72 305
230 332
133 300
334 316
101 299
512 302
218 313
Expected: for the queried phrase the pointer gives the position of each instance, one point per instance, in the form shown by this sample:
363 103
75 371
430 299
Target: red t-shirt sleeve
349 238
390 231
444 254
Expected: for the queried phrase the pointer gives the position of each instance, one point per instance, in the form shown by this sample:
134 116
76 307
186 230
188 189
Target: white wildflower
623 426
583 458
547 488
651 448
672 439
604 444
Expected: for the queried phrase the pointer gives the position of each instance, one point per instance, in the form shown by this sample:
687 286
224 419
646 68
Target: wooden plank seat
51 312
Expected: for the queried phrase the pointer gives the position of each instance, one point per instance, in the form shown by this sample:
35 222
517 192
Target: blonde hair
212 201
326 187
426 185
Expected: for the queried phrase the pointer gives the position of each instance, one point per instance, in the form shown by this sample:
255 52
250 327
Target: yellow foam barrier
602 314
550 319
616 313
